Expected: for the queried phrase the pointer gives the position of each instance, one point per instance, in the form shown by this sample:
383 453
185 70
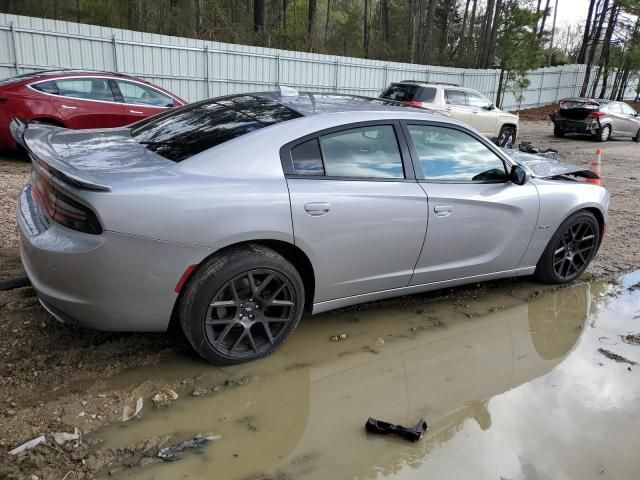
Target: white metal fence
196 69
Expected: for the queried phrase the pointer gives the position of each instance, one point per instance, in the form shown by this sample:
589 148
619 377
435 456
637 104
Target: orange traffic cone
596 168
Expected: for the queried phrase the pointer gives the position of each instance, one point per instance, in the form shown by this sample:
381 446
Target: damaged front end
548 166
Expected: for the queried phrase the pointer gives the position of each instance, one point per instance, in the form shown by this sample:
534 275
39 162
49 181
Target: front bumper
110 281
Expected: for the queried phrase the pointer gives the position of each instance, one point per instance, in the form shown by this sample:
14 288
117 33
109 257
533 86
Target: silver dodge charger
236 215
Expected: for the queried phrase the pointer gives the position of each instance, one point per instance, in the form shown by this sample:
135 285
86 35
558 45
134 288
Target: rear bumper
110 281
588 125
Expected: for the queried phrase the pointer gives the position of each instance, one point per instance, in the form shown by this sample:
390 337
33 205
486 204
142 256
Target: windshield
181 133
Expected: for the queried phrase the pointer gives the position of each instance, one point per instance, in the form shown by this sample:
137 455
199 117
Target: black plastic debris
171 454
384 428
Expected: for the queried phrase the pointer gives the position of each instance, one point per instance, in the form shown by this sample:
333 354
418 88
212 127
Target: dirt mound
538 113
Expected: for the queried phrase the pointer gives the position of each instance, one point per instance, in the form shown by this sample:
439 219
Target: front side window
366 152
138 94
450 155
478 101
455 97
627 110
85 88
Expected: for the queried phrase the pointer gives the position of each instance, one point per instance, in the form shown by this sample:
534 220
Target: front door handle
442 210
317 209
68 107
136 111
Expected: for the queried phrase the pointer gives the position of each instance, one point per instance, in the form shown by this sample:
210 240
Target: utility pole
553 32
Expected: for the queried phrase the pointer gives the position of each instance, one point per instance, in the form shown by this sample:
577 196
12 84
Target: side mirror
491 106
519 175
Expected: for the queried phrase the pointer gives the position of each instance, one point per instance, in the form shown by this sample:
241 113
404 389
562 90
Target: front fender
559 199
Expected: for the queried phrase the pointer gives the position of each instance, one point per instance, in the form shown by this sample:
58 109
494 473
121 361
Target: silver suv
461 103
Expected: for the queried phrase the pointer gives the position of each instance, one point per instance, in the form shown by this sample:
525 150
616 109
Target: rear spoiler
35 139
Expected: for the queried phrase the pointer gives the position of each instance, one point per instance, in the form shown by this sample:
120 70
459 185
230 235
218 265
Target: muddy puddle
510 390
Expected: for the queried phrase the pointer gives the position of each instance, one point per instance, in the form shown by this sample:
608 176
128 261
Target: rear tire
603 134
558 132
570 250
241 305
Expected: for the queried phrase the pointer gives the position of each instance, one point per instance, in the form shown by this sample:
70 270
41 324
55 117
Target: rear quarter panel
559 199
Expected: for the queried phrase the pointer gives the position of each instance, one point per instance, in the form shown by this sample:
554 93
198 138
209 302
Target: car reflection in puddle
517 393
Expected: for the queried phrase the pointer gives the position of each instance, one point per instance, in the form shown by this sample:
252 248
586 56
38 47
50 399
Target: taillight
413 103
552 116
61 209
596 114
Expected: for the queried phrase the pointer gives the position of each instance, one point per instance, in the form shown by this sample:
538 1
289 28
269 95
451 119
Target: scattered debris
412 434
614 356
28 445
164 398
62 437
379 341
634 287
631 339
337 338
126 411
169 454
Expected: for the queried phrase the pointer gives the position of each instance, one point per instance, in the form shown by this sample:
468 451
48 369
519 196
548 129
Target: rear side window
86 88
367 152
627 110
426 94
455 97
307 159
47 87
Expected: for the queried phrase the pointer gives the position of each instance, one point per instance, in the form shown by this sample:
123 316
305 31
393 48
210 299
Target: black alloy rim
250 313
574 250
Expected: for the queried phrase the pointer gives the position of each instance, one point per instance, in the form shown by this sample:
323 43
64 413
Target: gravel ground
51 375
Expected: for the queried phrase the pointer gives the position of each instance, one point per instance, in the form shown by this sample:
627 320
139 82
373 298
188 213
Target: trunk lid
90 159
577 108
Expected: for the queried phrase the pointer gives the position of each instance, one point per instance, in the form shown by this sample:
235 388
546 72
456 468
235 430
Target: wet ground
516 380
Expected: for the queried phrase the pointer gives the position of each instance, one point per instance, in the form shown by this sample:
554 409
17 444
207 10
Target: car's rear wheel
558 132
603 133
241 305
570 249
506 137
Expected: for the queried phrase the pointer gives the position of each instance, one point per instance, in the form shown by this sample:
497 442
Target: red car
79 99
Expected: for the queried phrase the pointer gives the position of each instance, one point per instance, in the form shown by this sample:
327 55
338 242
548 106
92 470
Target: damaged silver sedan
236 215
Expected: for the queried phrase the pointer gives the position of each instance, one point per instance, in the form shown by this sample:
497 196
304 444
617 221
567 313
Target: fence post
386 76
15 48
278 70
540 90
337 79
559 85
114 42
207 85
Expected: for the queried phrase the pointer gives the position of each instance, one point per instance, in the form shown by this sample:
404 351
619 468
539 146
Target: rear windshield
403 93
184 132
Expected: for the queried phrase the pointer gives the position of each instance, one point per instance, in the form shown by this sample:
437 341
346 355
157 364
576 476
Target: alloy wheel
506 139
604 133
250 313
574 250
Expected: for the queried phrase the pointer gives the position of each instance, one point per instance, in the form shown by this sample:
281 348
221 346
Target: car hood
546 167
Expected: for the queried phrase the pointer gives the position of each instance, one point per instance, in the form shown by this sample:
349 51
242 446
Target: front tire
506 137
570 250
637 137
558 132
240 306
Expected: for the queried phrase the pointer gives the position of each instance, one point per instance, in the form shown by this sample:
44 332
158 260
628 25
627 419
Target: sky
570 12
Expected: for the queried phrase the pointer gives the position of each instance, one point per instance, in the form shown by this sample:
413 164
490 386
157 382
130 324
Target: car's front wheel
558 132
241 305
637 137
506 137
570 250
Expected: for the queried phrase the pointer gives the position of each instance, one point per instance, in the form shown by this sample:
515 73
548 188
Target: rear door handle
69 107
136 111
317 209
442 210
